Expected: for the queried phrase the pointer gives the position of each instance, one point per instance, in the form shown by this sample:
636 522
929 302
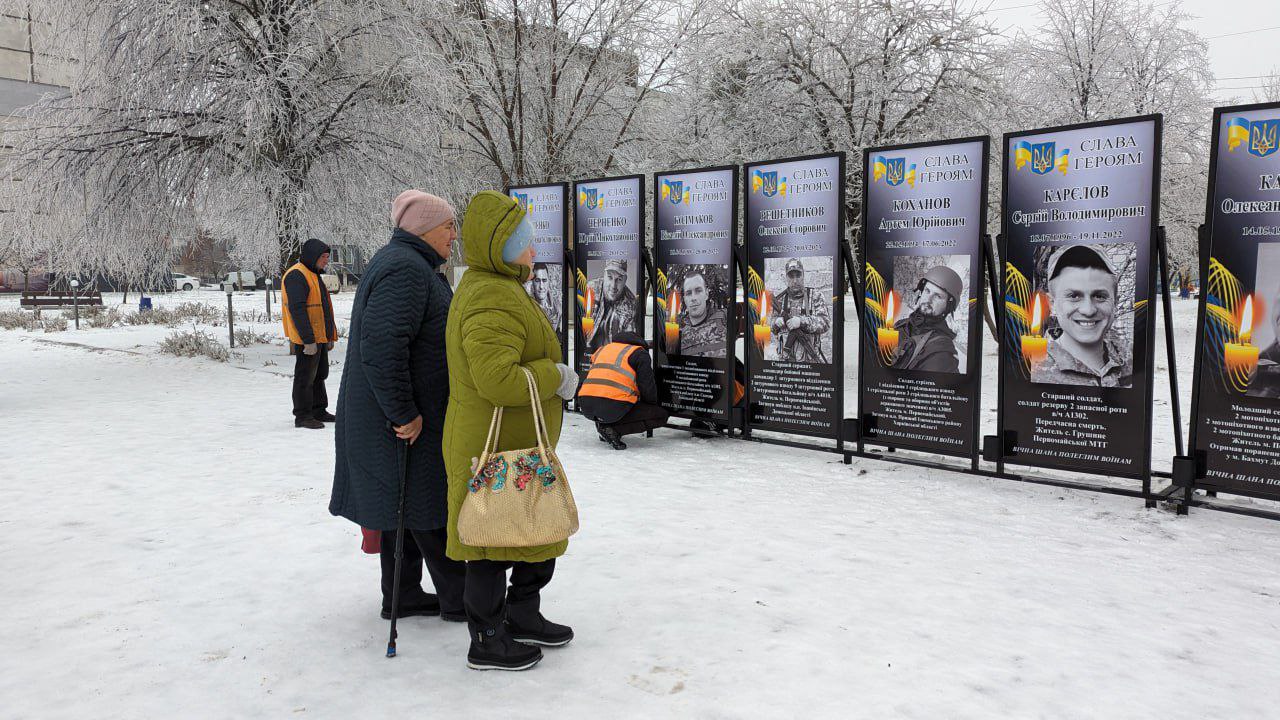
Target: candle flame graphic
1246 320
1036 315
765 297
675 305
591 301
889 311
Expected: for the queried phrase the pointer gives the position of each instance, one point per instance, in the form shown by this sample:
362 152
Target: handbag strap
539 423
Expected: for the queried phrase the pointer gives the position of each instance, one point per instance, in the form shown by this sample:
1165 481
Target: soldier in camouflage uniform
801 316
702 324
615 305
1083 348
539 288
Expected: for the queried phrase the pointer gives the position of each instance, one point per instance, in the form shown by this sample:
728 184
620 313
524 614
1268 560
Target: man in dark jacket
395 388
620 392
307 314
926 342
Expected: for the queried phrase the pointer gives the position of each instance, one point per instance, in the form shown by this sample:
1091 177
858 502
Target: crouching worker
620 393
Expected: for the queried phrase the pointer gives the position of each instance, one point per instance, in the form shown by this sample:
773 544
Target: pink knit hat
419 212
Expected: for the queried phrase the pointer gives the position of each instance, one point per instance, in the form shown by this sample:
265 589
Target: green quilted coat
495 328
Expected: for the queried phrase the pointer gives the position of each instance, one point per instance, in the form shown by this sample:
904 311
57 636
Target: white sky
1234 59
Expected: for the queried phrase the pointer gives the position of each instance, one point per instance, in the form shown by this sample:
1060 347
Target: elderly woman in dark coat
395 387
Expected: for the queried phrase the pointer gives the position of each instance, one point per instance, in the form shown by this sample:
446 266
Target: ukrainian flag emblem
896 171
1042 157
1262 136
589 197
769 183
522 199
675 192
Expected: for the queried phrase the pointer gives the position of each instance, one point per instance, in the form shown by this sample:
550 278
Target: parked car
184 282
242 279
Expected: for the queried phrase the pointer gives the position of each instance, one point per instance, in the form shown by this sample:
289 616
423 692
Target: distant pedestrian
395 387
620 392
307 313
496 331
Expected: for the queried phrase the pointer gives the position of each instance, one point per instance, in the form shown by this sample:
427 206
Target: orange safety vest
610 376
315 307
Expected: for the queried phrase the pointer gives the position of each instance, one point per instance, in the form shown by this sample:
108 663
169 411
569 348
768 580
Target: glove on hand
568 382
310 349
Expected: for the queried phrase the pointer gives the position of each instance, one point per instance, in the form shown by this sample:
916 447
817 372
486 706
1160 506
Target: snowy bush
194 343
55 323
97 317
16 319
247 336
199 312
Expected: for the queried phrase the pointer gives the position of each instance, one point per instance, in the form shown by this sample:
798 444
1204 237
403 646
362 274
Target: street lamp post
231 320
75 300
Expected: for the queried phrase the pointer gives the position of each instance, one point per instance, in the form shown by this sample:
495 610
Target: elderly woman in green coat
495 328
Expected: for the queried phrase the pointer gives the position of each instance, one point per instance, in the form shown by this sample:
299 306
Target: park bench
59 298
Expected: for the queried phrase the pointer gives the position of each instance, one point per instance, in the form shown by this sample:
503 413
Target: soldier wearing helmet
801 315
925 341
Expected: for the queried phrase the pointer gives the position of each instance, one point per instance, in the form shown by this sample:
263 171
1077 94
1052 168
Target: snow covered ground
166 550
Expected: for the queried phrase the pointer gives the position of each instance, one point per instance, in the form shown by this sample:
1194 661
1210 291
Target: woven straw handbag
518 498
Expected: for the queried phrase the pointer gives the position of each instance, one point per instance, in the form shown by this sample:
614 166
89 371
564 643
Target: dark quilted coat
395 370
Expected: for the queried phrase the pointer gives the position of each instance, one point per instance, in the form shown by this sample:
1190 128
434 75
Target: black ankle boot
526 624
495 649
612 437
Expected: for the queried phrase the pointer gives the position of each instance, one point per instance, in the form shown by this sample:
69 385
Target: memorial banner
1080 214
546 208
794 224
694 232
1235 416
608 223
920 352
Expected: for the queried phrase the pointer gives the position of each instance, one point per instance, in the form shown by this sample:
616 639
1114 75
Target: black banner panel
608 222
547 209
924 218
1079 220
1235 423
794 226
694 232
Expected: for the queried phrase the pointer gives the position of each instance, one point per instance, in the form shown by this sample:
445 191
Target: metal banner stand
997 449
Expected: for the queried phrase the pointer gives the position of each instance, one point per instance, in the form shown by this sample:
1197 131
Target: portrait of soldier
1266 381
701 320
801 316
614 308
1083 347
926 341
540 289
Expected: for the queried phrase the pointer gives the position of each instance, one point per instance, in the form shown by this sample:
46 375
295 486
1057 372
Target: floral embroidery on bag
493 474
527 468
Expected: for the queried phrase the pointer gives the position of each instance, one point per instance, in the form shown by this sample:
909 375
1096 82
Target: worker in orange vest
620 392
307 313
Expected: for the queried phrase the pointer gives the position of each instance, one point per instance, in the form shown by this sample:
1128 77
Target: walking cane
402 454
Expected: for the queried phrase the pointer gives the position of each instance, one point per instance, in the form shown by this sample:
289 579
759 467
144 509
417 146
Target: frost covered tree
537 90
1102 59
258 120
785 77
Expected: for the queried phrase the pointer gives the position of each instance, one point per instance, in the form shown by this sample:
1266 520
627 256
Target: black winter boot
495 649
612 437
704 429
310 423
526 625
424 603
325 416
